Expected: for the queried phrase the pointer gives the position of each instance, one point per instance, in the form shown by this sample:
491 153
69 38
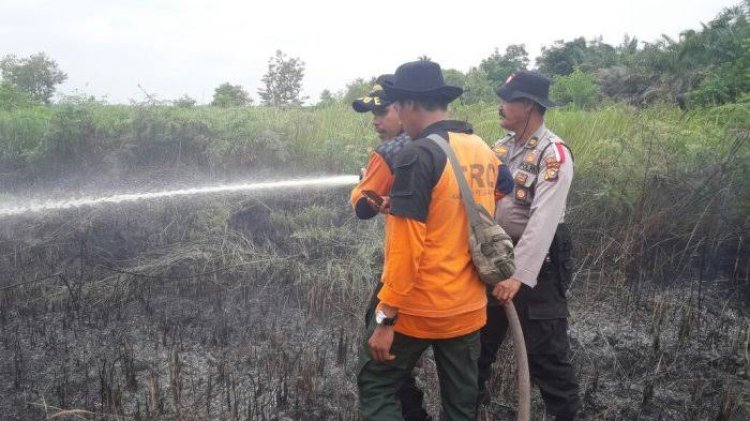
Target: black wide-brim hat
421 79
377 99
526 84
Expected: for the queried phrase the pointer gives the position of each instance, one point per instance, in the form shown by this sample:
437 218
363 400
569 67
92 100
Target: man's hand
382 338
383 207
506 290
380 344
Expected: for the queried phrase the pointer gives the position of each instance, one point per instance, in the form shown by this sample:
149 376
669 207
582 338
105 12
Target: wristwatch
382 319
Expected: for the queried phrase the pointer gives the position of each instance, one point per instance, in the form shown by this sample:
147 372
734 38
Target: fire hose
522 363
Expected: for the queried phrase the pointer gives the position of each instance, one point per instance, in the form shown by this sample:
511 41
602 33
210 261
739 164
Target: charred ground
251 308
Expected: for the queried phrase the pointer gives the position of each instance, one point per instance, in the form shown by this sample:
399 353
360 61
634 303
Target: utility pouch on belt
561 254
491 247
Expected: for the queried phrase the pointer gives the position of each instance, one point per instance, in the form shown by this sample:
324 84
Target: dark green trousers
409 394
456 361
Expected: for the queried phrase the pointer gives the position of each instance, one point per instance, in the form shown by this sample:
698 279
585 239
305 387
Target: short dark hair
428 104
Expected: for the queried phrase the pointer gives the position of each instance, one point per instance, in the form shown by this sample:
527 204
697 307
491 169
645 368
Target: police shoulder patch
558 146
551 167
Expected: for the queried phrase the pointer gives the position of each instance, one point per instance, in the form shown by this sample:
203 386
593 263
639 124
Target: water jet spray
340 180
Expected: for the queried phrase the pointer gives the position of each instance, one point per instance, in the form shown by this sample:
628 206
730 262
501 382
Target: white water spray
340 180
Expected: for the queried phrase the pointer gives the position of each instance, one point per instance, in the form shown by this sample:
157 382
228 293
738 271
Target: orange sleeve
403 253
378 178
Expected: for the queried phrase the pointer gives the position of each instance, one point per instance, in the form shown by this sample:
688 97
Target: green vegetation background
656 180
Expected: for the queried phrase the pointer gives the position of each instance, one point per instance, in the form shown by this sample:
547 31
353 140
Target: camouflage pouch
491 247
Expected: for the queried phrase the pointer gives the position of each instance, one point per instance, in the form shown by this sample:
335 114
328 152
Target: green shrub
11 97
578 89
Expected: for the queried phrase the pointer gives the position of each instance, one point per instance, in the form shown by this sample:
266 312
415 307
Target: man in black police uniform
533 215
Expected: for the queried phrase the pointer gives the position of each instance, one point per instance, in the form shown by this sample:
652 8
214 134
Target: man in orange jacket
431 293
378 175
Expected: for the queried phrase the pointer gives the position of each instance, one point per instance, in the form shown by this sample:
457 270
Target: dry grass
213 310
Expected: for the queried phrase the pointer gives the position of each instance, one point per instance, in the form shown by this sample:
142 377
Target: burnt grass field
250 307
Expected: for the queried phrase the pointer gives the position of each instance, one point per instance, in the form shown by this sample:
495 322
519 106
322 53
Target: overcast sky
176 47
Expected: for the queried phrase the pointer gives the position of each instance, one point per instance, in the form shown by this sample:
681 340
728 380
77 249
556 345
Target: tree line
33 81
705 67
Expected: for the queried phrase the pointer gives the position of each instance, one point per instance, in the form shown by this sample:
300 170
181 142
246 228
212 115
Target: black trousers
543 313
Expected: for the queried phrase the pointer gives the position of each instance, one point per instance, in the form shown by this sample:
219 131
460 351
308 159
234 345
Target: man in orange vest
377 177
431 294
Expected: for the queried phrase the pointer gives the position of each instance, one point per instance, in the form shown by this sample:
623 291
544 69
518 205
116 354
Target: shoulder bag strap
468 198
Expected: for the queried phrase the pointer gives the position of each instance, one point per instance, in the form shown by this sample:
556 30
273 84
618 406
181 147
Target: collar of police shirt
518 147
537 134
